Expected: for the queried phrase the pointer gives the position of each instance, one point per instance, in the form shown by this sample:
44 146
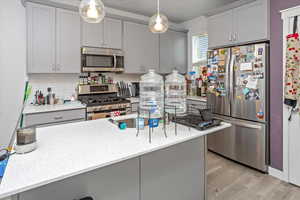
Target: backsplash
63 85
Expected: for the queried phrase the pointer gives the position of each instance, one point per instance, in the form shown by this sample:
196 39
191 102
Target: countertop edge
43 183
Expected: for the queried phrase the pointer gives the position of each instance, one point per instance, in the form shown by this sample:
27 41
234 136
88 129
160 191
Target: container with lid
151 95
176 93
26 140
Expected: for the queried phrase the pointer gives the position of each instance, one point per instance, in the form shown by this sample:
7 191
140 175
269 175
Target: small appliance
101 60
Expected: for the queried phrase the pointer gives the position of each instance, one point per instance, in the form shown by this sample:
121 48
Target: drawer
54 117
196 102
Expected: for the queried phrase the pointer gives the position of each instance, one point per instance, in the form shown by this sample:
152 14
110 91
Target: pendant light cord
158 9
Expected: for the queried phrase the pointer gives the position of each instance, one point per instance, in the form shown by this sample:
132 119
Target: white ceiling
176 10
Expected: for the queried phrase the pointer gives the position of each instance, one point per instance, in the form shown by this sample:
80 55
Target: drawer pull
58 118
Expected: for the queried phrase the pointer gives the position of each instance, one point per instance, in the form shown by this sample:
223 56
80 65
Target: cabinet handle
58 118
230 37
235 36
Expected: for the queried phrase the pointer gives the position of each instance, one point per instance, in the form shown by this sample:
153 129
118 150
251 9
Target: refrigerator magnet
260 115
246 91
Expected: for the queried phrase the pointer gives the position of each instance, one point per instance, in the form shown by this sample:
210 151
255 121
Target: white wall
12 65
195 26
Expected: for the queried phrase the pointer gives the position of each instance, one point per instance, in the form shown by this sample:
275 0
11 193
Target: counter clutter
58 157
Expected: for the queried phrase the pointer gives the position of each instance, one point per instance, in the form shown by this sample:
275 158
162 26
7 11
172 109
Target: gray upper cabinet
112 33
220 29
53 40
245 24
141 48
107 34
173 52
41 39
92 34
251 22
67 41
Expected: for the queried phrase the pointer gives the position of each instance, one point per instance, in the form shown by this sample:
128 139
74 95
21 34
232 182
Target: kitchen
60 51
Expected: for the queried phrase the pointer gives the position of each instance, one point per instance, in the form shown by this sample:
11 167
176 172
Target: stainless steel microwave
101 60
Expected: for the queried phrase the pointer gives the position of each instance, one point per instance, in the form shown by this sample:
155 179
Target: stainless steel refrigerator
238 93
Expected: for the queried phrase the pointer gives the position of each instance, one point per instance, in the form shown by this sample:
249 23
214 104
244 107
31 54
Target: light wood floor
227 180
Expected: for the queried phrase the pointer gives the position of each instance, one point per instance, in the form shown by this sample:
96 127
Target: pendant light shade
158 23
92 11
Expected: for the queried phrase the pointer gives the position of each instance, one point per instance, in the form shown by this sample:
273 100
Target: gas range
103 104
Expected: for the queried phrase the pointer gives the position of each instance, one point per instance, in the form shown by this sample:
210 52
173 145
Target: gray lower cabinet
53 36
119 181
54 118
106 34
175 173
173 52
141 48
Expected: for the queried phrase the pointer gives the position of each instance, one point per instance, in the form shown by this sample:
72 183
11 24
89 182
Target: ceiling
176 10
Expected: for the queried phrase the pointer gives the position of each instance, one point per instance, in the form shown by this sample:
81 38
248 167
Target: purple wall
276 74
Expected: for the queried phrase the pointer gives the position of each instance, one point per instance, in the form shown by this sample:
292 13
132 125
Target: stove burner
102 100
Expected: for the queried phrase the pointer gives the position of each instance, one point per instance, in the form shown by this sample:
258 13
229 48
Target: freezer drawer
244 142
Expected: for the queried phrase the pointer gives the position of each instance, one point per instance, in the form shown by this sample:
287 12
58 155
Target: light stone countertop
31 109
72 149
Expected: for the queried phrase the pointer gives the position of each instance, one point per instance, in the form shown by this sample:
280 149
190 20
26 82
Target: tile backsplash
63 85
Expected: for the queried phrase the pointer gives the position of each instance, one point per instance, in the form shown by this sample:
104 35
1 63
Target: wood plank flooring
227 180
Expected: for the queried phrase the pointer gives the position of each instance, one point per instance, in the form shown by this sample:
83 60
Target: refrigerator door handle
231 75
241 124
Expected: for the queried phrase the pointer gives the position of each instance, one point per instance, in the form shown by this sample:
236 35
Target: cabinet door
166 54
176 173
67 41
173 52
251 22
92 34
41 38
112 33
180 51
220 29
141 48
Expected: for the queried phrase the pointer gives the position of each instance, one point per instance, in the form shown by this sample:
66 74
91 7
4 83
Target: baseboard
277 174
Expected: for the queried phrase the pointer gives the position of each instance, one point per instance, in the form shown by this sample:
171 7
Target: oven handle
115 61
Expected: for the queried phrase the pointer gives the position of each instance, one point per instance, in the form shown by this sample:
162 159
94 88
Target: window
200 47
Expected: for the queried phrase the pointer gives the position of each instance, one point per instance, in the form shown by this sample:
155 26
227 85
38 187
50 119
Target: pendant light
92 11
158 23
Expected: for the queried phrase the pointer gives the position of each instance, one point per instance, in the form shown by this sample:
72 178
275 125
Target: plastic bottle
151 95
176 93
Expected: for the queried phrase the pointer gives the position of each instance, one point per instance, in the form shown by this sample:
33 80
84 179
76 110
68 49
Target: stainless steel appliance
102 101
238 91
102 60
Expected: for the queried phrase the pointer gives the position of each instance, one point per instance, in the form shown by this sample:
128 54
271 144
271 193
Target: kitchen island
96 158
